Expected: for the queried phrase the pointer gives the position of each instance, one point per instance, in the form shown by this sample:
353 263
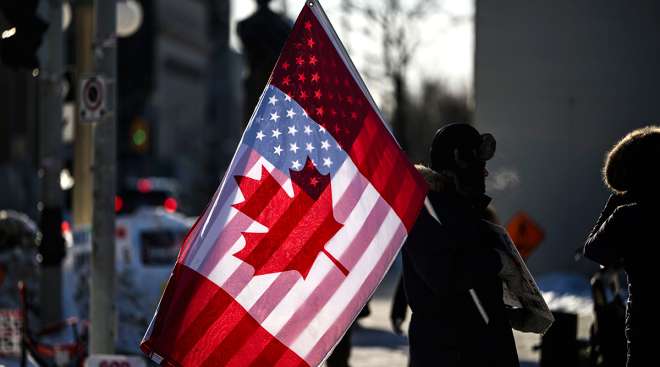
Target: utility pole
50 165
83 17
102 306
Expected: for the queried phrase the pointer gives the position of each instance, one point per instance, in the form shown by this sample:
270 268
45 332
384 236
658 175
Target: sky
446 51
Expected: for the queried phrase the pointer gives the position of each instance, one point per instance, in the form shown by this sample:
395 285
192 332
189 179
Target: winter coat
630 237
450 271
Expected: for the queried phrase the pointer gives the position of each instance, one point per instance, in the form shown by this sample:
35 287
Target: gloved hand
614 201
396 325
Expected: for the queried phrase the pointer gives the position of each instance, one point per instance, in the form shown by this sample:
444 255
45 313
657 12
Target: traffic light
20 41
139 134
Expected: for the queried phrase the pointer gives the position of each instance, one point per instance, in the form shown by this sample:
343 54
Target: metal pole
50 161
102 307
83 17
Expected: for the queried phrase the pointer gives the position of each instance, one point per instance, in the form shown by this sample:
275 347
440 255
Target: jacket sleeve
605 242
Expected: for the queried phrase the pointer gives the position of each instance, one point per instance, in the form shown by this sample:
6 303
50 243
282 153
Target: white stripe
255 289
342 179
337 245
353 223
348 289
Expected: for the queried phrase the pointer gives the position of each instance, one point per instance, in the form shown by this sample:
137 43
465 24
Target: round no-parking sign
92 99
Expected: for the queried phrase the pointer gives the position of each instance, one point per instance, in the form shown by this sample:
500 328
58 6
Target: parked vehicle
147 192
147 245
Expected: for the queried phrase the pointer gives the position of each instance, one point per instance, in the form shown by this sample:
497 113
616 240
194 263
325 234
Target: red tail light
66 227
170 205
120 233
144 185
119 203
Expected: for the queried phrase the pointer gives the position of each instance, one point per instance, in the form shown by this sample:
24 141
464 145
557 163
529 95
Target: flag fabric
310 215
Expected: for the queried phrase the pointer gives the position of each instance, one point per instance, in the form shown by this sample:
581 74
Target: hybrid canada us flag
315 205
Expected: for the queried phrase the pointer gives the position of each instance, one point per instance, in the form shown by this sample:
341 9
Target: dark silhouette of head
263 3
633 164
461 150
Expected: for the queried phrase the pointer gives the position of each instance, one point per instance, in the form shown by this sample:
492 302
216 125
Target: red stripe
220 327
231 343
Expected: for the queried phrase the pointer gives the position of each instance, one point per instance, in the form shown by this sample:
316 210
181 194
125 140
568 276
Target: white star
327 162
294 147
309 147
304 113
272 100
338 146
325 145
278 150
274 116
321 129
292 130
287 98
260 135
276 133
295 164
308 130
290 113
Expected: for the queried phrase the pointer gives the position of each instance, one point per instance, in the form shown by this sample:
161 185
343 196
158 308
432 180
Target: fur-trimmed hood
437 181
633 161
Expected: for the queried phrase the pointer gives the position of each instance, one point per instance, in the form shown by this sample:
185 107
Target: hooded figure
626 234
450 265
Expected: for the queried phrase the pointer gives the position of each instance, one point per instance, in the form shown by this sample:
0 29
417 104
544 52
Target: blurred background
557 83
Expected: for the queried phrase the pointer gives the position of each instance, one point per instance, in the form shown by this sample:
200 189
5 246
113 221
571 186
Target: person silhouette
626 233
263 35
451 266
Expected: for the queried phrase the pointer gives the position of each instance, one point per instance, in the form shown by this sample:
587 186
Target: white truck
147 245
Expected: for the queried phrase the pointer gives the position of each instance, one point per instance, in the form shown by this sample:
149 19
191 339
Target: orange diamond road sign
525 233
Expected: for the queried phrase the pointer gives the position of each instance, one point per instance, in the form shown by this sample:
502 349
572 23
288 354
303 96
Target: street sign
93 98
525 233
112 360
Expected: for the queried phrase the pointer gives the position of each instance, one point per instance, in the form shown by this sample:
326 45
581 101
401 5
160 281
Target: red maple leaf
298 227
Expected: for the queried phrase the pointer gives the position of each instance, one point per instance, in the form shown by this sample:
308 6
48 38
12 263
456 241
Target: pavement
375 345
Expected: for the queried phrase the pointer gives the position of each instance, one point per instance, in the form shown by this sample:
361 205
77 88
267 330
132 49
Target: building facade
558 83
